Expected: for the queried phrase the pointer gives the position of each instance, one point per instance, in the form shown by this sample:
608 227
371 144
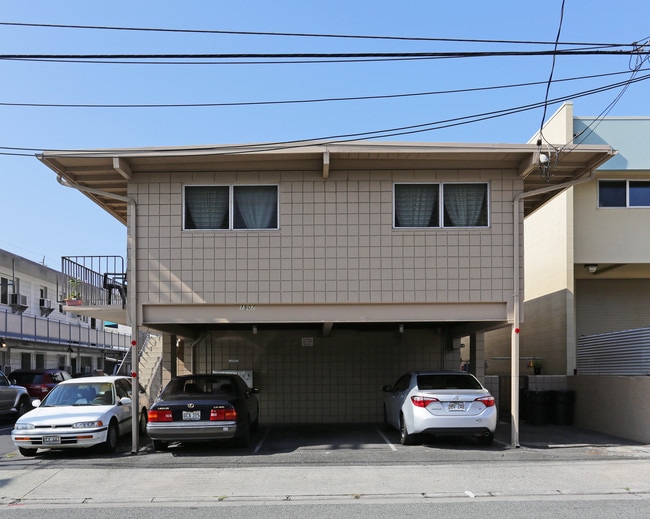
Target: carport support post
514 388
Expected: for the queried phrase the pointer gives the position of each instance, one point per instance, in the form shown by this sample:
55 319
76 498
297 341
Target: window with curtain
231 207
465 205
255 207
441 205
416 205
206 207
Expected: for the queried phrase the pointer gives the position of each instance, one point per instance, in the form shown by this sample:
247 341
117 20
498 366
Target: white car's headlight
23 426
87 425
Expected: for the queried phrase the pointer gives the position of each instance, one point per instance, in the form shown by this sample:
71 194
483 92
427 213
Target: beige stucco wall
598 236
613 404
549 310
336 244
558 129
548 251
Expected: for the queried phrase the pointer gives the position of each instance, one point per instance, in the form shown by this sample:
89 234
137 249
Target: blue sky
43 221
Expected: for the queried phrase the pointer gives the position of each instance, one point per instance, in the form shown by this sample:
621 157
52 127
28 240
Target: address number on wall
247 308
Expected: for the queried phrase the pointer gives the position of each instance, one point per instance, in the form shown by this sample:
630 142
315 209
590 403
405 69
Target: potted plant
537 366
74 295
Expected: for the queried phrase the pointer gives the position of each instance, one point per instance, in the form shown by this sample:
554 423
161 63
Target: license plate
191 415
51 440
456 406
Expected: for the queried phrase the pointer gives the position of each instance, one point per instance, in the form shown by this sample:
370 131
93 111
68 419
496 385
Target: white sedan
440 403
77 413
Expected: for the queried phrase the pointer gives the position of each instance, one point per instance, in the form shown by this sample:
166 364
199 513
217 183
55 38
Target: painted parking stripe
259 445
388 442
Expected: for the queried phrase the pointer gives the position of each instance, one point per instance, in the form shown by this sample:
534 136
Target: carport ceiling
110 170
455 329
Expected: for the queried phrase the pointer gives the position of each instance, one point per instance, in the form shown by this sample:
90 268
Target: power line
376 134
299 35
307 101
550 79
304 101
329 55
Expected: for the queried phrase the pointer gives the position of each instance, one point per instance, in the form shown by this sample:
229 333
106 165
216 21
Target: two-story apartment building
324 270
587 279
39 331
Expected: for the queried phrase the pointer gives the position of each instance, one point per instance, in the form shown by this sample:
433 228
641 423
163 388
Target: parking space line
388 442
259 445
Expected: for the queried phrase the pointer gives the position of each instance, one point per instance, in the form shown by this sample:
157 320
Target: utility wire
299 35
307 101
376 134
327 55
550 78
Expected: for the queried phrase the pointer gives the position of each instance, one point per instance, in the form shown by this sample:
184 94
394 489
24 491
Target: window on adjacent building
623 193
441 205
231 207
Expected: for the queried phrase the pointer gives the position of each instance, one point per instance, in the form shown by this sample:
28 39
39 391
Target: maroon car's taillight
423 401
488 401
223 413
160 415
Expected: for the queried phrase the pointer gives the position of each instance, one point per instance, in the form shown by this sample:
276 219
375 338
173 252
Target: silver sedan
440 403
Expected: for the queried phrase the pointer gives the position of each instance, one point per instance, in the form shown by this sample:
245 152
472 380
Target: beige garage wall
614 405
307 378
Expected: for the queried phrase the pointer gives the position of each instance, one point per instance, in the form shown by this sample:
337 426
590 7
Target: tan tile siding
336 243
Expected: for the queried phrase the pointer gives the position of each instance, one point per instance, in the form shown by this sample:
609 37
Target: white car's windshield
80 394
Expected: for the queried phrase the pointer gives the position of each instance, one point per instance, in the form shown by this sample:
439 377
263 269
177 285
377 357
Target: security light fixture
70 350
3 344
591 267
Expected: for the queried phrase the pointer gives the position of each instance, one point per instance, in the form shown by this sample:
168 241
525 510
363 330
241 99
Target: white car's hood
64 415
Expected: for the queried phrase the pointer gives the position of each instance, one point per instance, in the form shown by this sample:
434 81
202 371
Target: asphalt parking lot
355 444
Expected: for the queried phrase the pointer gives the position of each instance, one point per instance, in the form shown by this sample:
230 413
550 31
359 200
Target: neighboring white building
38 331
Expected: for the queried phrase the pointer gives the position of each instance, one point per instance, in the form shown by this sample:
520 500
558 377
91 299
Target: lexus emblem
190 406
456 397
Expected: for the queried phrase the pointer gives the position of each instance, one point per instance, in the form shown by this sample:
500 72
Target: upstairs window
441 205
623 193
231 207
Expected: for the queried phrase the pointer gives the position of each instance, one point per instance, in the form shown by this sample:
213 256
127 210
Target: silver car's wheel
112 436
404 437
143 422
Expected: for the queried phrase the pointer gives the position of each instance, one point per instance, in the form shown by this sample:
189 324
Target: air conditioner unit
45 303
18 300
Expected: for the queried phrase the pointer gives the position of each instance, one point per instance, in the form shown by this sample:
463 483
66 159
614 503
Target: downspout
514 344
132 315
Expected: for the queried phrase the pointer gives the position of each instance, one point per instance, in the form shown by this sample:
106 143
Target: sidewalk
552 461
73 485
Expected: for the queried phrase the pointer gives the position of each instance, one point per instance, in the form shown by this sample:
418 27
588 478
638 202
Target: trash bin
562 406
538 407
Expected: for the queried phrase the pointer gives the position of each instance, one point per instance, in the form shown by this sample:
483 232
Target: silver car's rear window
447 381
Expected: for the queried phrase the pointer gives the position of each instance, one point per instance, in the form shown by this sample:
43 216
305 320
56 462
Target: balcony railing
44 330
95 280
